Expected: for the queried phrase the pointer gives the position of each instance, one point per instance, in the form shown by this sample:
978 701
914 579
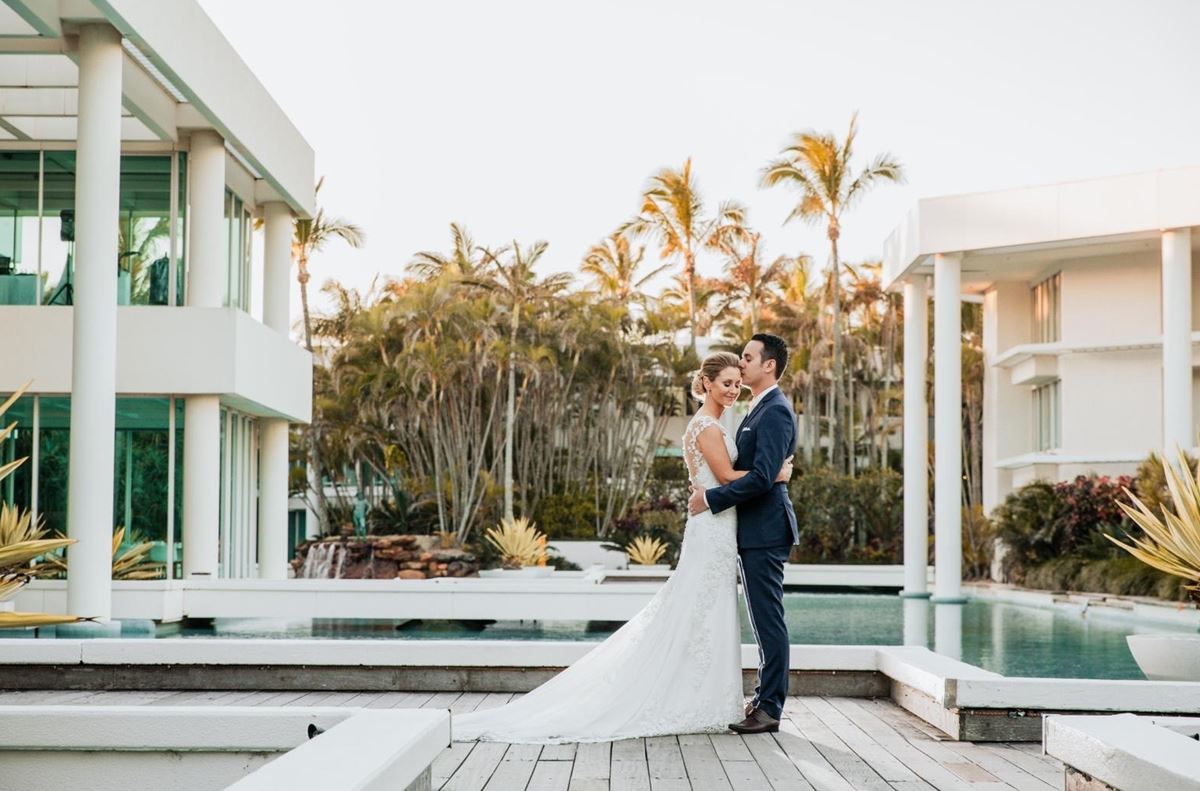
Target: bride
676 666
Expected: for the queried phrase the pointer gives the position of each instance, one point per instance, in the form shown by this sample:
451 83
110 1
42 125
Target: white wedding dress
674 668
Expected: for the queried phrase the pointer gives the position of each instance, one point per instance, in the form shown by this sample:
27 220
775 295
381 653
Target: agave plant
645 550
132 564
519 543
1172 542
21 542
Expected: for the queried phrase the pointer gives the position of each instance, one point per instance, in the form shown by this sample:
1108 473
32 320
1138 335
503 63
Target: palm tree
466 259
748 284
613 266
818 165
517 284
310 236
673 211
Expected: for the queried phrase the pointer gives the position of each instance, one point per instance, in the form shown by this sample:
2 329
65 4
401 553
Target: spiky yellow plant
20 542
646 551
1172 542
132 563
519 543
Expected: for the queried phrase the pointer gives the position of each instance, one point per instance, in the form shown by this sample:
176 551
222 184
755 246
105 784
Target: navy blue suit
766 533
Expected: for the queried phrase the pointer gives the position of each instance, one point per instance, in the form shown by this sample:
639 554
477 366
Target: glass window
235 291
176 552
54 448
1047 413
1047 301
19 227
144 231
58 227
141 478
17 489
238 496
181 230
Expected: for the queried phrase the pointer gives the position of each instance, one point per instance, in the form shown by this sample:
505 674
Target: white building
136 151
1087 292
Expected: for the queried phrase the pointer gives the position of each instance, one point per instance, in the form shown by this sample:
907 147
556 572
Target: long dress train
675 667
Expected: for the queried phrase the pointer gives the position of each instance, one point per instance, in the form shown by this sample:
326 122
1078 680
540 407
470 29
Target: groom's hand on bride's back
696 503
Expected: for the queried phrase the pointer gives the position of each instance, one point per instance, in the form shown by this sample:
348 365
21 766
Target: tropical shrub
1042 521
1171 539
568 515
844 519
519 543
660 519
645 550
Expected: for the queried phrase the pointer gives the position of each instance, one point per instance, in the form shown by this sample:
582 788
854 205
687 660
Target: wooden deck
824 744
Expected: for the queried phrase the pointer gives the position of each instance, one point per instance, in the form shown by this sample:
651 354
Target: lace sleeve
692 456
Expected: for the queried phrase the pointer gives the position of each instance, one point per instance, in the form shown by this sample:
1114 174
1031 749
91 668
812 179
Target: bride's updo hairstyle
711 367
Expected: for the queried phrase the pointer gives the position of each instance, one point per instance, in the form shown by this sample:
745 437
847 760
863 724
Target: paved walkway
824 744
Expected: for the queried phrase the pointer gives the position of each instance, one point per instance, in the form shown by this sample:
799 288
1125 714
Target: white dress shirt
758 398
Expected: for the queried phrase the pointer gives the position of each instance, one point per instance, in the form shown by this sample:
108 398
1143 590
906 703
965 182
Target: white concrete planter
650 567
1167 657
529 572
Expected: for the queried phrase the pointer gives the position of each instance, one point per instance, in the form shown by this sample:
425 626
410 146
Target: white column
947 630
94 355
916 622
206 208
1177 339
947 428
273 499
916 440
273 436
277 265
202 413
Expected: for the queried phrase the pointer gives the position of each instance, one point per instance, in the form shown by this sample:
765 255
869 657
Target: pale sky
543 119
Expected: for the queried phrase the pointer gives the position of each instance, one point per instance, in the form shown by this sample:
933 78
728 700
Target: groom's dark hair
774 348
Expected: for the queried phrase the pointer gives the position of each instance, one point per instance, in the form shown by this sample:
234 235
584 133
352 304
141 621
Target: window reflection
18 227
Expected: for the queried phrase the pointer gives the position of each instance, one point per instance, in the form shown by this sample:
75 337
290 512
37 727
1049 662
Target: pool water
1010 639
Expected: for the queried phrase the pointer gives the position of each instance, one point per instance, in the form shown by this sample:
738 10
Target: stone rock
410 574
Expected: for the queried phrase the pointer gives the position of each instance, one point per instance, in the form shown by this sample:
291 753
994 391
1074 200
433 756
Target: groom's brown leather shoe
758 721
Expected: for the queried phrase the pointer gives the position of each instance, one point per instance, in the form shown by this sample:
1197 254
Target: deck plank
704 770
592 762
781 773
849 764
448 761
515 769
477 768
824 744
665 759
550 776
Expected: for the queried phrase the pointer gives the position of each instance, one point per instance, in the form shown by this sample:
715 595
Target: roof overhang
1027 229
179 74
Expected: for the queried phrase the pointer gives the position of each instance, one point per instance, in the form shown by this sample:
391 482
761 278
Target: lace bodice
699 472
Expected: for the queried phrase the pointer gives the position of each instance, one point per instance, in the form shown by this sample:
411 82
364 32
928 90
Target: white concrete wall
1007 322
1110 299
179 350
1111 399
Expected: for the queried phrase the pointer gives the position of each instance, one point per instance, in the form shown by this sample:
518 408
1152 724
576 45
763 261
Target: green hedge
848 520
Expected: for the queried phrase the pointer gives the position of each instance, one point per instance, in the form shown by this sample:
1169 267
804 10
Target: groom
766 522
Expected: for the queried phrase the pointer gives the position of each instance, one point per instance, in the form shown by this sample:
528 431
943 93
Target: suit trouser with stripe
762 583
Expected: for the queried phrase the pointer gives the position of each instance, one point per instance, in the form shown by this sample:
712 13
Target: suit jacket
764 439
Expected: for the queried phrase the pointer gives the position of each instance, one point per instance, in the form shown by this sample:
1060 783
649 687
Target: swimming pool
1010 639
